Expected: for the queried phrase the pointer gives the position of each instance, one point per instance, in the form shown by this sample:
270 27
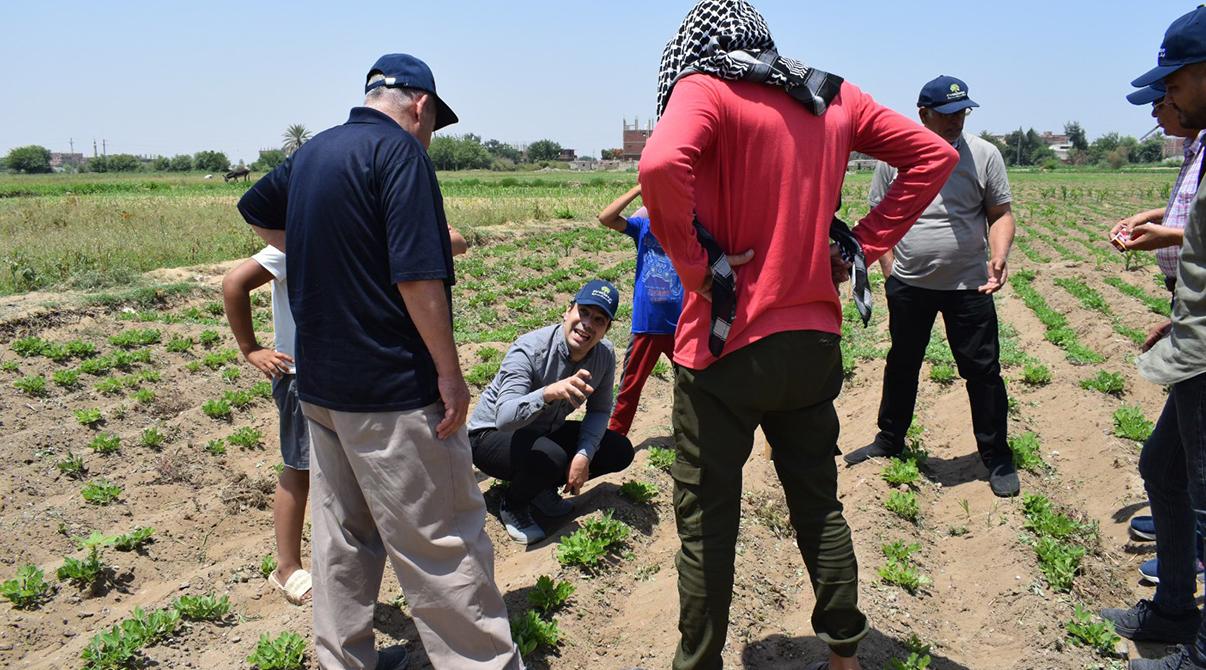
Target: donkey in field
241 171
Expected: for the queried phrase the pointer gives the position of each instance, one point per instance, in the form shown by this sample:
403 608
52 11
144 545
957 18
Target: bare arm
236 295
459 245
611 214
428 307
1001 228
271 236
1150 216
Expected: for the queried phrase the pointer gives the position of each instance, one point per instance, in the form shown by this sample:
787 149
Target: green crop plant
1036 374
532 633
179 344
661 458
901 472
209 338
1130 423
28 346
904 575
134 338
202 608
68 379
588 545
105 443
121 645
1087 296
481 374
72 466
662 369
1058 561
261 389
89 571
231 375
1044 521
1156 304
1086 629
267 565
238 399
548 596
28 589
942 373
1109 383
33 385
216 409
287 651
216 447
903 504
193 367
246 437
97 367
217 359
1026 452
56 352
897 550
109 386
143 396
101 492
638 492
9 366
134 540
152 438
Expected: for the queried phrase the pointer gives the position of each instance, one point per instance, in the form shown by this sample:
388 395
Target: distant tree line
34 159
1111 150
468 152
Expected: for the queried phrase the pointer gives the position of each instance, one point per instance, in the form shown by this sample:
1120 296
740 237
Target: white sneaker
549 503
519 524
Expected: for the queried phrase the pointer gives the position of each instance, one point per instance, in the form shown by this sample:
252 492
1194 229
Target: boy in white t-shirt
293 486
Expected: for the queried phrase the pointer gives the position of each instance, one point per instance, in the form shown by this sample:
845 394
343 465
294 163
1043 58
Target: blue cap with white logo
1184 44
406 71
601 294
945 95
1145 95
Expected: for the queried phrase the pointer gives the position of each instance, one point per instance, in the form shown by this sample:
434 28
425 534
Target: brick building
634 139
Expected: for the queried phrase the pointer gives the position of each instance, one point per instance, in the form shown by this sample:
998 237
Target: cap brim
1155 74
952 107
1144 96
595 302
444 114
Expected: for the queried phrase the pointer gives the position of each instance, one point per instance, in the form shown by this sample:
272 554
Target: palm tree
295 136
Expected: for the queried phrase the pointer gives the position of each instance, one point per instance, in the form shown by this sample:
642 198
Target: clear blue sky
177 77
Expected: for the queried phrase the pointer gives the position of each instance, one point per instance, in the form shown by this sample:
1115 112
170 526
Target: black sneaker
392 658
873 450
1181 659
1003 479
1145 623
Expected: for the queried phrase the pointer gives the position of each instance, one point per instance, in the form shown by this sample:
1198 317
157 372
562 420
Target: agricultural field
142 452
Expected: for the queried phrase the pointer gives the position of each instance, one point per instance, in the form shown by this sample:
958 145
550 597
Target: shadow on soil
780 652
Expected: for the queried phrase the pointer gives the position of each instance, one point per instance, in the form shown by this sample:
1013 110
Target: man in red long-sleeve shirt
760 160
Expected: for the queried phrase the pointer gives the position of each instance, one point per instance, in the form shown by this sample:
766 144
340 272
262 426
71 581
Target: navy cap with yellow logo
601 294
945 95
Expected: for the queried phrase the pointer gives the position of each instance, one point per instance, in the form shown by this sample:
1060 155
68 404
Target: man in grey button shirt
950 262
519 431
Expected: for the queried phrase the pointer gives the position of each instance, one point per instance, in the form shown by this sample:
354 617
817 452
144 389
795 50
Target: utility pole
1018 160
71 143
94 147
104 148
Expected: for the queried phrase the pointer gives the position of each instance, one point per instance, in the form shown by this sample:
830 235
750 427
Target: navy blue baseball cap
406 71
1184 44
1145 95
601 294
945 95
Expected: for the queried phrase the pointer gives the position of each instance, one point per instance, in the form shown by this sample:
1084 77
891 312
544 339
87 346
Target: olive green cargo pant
785 383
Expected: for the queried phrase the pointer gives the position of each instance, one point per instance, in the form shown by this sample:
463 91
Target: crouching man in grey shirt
518 430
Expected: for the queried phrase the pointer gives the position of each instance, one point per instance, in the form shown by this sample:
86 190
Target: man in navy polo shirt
370 273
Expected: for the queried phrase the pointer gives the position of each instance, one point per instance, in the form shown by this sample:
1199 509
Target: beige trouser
382 484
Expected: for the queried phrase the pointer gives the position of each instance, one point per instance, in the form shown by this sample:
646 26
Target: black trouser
971 330
533 461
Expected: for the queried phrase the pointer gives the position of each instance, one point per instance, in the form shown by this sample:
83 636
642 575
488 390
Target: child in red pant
657 299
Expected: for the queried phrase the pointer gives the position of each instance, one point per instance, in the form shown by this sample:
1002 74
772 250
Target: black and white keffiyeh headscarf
729 39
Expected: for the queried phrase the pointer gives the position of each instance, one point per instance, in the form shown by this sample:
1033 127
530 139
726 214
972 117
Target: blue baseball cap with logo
1184 44
945 95
1146 95
601 294
406 71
